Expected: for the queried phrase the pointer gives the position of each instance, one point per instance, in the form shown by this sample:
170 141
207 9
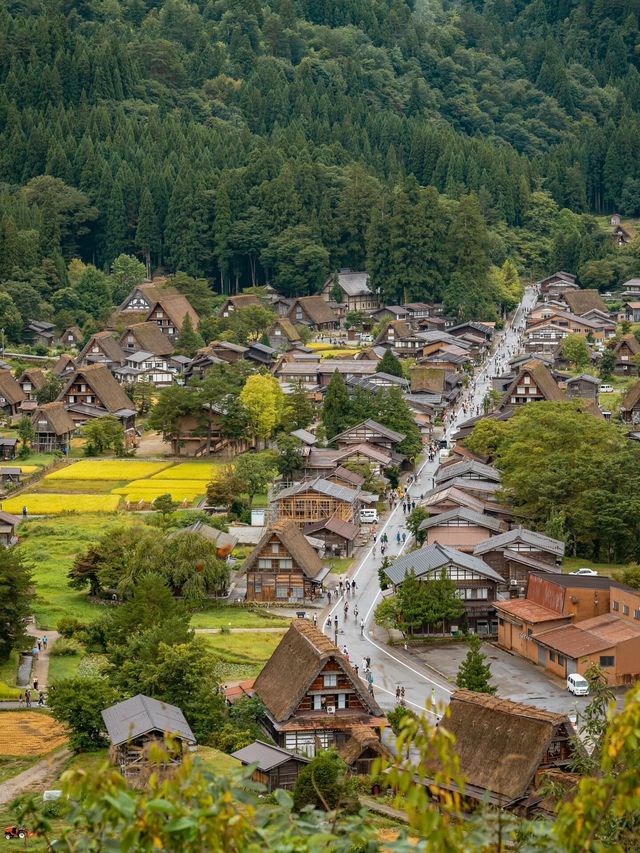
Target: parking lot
514 678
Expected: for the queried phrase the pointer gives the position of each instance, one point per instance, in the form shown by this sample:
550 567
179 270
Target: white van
577 685
368 516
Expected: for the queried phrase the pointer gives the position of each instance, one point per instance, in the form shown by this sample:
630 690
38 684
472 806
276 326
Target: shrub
64 648
69 625
92 666
322 782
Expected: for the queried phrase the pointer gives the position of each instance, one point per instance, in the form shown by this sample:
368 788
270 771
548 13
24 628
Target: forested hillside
248 141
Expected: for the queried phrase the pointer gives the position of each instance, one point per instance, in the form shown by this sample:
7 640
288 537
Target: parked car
368 516
577 685
605 389
584 571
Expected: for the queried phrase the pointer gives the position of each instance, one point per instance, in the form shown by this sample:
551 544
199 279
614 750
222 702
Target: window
526 379
625 609
257 584
282 591
636 613
342 700
264 564
552 657
72 399
561 660
500 621
331 679
616 605
607 660
89 399
317 702
275 547
287 563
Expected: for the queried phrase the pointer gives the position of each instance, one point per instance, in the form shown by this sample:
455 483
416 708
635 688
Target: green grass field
236 617
241 655
51 546
215 761
70 487
63 666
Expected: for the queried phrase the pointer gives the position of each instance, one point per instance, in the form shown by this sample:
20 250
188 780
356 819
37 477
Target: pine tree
390 363
189 340
335 411
474 673
147 232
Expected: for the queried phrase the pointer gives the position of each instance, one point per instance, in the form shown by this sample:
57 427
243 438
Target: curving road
391 666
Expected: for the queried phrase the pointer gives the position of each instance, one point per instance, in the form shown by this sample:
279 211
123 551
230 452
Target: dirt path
40 671
37 777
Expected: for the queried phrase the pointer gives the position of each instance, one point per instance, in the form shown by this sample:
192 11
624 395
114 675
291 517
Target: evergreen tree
474 673
147 233
390 363
189 340
335 408
16 599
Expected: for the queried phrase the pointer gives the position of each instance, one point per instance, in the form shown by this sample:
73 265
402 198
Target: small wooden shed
137 724
275 767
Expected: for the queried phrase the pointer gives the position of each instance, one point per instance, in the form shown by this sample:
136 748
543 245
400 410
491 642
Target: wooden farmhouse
8 525
135 726
283 334
580 302
467 469
54 428
237 303
630 406
355 291
627 350
476 582
146 337
283 567
338 536
504 749
169 312
584 386
31 381
312 696
92 392
11 394
317 500
274 767
313 311
200 434
534 382
141 299
101 348
65 364
71 337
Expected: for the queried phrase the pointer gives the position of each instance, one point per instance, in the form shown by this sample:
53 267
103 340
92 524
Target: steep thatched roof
631 398
317 310
9 388
107 343
295 544
501 744
362 738
631 342
543 379
59 420
61 365
35 376
288 329
150 338
176 307
581 301
104 386
299 657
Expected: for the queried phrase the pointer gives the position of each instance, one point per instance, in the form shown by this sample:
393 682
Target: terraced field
29 733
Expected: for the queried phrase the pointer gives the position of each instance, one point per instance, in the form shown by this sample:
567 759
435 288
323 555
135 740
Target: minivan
368 516
606 389
577 685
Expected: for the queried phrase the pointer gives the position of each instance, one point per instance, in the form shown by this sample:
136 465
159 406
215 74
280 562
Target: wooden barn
274 767
135 726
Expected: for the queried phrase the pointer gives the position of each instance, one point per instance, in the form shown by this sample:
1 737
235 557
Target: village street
393 666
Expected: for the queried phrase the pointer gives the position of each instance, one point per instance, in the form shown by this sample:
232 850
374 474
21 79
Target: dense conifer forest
253 141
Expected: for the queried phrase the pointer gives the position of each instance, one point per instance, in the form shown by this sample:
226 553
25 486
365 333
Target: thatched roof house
504 746
312 694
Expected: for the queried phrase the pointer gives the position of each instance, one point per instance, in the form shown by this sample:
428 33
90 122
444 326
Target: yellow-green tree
264 400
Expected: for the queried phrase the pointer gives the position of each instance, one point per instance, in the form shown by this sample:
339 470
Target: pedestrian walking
329 597
35 683
382 549
41 698
341 585
348 586
24 512
402 693
355 666
355 612
39 645
364 665
315 620
20 698
374 550
27 698
353 587
346 609
368 662
404 537
398 537
327 624
45 641
398 694
335 621
413 505
362 627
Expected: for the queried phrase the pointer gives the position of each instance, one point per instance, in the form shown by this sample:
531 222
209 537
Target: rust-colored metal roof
590 636
527 610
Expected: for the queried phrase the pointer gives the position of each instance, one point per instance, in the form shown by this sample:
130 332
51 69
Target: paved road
392 666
